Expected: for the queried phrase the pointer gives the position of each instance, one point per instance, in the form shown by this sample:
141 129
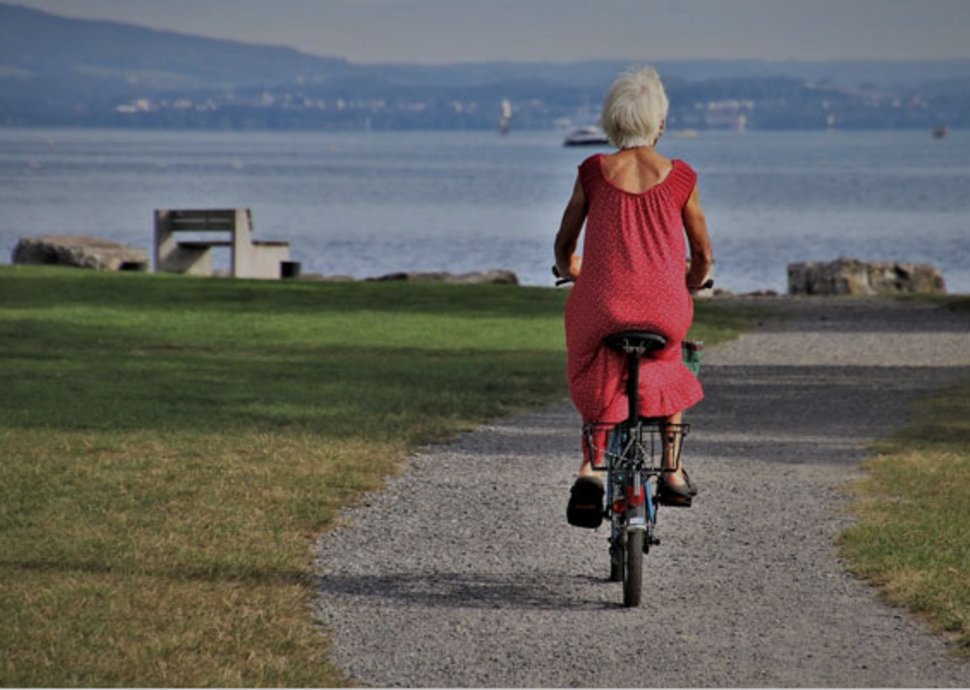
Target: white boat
587 136
506 116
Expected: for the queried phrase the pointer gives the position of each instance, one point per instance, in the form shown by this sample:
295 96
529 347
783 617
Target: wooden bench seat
204 244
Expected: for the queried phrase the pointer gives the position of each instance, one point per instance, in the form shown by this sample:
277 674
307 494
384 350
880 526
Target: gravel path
463 572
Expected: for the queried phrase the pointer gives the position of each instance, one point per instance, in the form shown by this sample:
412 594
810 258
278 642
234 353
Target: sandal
585 507
679 496
691 486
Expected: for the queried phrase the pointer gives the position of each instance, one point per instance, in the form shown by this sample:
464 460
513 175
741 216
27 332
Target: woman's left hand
567 262
575 265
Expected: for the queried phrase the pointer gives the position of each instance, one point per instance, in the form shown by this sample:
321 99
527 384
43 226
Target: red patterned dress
633 277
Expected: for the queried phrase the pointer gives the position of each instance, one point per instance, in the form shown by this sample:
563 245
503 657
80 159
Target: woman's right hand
701 253
706 285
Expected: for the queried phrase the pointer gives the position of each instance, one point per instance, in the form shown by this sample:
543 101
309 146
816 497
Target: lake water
365 204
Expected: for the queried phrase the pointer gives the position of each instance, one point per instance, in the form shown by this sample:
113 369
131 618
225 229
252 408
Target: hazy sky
436 31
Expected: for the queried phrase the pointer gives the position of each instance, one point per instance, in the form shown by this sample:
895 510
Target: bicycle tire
617 561
633 570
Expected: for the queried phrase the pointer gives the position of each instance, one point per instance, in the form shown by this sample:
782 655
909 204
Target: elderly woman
637 206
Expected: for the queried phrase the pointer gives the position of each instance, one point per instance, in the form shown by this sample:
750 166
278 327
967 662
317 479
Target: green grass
170 448
913 534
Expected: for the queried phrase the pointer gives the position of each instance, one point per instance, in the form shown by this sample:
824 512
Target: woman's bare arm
701 252
568 236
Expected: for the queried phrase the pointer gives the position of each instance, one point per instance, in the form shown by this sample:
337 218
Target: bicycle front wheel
633 570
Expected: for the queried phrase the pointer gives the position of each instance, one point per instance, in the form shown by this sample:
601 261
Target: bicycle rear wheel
633 570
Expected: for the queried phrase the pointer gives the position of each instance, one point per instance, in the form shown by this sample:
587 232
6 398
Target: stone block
847 276
81 252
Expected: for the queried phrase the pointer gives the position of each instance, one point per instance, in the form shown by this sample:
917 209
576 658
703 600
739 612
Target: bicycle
633 458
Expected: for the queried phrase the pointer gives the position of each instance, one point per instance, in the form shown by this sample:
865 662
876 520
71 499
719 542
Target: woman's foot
585 507
677 489
678 479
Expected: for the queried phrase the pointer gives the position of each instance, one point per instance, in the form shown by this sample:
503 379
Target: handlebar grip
707 285
560 280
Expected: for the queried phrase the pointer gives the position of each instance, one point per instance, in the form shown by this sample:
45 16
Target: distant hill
59 71
46 46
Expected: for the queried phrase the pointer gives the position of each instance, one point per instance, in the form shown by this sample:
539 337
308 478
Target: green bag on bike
691 351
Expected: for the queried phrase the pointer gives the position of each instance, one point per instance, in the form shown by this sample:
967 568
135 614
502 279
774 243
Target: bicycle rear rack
642 444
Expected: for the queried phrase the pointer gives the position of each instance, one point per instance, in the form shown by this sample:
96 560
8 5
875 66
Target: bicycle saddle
626 341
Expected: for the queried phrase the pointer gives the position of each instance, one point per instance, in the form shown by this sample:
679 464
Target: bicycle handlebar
559 279
708 284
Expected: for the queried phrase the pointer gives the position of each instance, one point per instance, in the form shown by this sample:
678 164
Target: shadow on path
469 591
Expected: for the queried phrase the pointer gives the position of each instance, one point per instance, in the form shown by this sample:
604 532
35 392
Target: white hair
635 108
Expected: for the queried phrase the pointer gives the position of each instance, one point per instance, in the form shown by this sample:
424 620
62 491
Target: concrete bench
249 258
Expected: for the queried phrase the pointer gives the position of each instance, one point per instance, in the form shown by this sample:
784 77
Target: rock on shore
846 276
496 277
81 252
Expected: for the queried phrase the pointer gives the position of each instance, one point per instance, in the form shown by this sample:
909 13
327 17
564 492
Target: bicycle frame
634 465
633 471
